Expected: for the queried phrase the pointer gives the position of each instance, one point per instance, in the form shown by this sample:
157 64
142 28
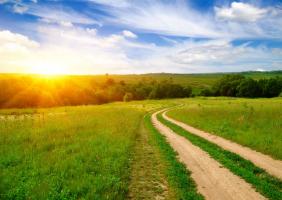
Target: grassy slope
252 122
262 181
82 152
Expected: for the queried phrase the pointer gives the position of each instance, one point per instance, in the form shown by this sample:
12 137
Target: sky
140 36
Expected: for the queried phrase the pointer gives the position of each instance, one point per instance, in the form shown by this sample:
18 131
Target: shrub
248 88
127 97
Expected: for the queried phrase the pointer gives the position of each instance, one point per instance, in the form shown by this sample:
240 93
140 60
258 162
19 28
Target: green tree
227 85
248 88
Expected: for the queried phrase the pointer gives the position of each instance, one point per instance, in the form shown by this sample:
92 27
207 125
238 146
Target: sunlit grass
266 184
82 152
252 122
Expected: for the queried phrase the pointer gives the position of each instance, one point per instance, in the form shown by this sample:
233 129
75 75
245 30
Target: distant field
252 122
30 91
196 81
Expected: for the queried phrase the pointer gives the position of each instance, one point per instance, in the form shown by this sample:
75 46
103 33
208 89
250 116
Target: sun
48 69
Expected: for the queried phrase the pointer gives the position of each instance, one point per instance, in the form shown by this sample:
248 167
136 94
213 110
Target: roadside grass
82 153
178 177
147 179
256 123
264 183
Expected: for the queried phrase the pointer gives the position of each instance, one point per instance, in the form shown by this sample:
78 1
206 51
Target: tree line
20 92
28 91
239 86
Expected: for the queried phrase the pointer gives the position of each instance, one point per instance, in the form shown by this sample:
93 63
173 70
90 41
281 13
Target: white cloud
241 12
65 50
20 8
113 3
68 47
179 18
50 13
14 48
116 54
129 34
66 24
209 56
60 15
7 37
163 18
260 70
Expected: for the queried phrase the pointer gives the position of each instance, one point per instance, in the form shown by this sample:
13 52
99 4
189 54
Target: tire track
272 166
213 181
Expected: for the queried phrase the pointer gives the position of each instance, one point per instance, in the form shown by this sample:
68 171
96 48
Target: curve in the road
213 181
272 166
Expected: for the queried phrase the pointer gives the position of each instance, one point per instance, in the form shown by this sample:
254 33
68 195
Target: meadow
88 152
255 123
112 151
68 152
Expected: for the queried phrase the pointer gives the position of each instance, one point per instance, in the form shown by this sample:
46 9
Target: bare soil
272 166
213 181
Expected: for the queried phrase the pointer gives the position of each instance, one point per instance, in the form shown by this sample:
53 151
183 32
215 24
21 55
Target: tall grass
80 153
256 123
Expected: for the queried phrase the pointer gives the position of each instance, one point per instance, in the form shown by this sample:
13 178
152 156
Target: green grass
147 178
256 123
263 182
85 152
97 152
82 153
178 176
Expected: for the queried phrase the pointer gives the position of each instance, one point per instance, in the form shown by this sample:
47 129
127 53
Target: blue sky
134 36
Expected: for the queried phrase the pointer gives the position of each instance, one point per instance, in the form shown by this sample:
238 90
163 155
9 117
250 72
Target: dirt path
272 166
213 181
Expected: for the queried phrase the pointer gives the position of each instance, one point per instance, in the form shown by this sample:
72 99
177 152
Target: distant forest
34 91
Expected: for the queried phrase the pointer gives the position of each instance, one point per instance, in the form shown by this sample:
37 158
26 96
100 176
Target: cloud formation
129 34
178 18
241 12
97 54
143 36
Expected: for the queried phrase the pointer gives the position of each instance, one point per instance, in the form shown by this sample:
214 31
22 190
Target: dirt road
213 181
272 166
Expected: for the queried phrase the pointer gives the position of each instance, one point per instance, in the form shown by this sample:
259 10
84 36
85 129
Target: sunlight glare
48 69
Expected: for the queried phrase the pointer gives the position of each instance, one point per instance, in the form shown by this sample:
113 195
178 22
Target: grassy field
68 153
112 152
88 152
252 122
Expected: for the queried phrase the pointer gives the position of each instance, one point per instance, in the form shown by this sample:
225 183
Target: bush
227 86
248 88
128 97
238 85
206 92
